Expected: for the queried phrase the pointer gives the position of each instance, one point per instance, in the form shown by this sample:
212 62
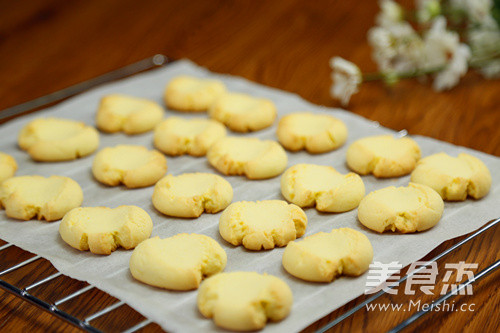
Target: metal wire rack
86 323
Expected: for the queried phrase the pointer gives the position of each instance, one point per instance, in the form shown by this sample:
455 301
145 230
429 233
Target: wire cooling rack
86 322
86 325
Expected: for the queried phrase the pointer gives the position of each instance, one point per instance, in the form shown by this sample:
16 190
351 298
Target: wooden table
49 45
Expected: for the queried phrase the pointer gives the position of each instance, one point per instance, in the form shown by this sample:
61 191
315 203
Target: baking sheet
177 311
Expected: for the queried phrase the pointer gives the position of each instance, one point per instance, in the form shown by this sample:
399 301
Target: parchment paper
177 311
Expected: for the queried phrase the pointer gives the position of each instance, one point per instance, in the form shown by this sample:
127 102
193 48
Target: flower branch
432 47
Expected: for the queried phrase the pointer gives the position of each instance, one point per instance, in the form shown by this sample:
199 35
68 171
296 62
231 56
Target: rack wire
420 313
85 323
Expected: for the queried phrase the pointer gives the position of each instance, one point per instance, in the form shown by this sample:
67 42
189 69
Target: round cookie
383 156
454 178
177 136
191 94
101 229
322 257
191 194
26 197
177 263
406 209
55 139
316 133
8 166
131 115
262 224
254 158
133 166
244 301
243 113
308 185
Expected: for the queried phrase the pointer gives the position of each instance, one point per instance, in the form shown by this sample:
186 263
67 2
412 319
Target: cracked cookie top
383 156
262 224
406 209
177 263
316 133
191 194
454 178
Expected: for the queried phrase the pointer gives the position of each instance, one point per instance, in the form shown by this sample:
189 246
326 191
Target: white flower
346 79
391 13
485 45
440 44
484 42
427 10
491 70
479 11
384 51
396 48
443 49
456 68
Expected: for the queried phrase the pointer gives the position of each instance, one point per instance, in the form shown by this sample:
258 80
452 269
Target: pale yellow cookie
26 197
405 209
179 262
244 301
252 157
316 133
101 229
243 113
177 136
131 115
383 156
322 257
8 166
55 139
308 185
262 224
133 166
191 194
191 94
454 178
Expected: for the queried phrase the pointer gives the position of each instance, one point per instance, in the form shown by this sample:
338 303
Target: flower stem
481 61
401 75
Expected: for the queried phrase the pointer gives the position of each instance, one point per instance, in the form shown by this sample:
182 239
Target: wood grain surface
49 45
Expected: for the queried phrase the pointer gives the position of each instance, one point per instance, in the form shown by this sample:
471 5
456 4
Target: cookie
191 94
177 136
454 178
179 262
56 139
129 114
322 257
316 133
101 229
191 194
383 156
243 113
252 157
26 197
8 166
262 224
406 209
244 301
133 166
308 185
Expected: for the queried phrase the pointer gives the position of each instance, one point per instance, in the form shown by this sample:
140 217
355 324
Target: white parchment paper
177 311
